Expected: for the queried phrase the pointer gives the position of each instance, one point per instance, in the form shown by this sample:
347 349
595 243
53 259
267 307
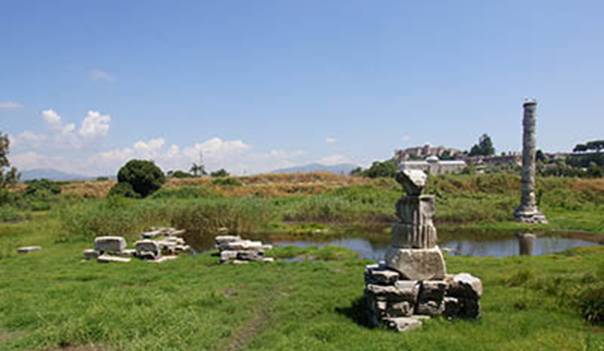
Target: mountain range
54 174
51 174
342 168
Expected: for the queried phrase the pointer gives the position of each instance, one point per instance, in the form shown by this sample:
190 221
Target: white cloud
215 148
95 125
100 75
330 140
27 160
9 105
152 145
27 138
32 160
217 153
118 155
55 123
51 117
406 137
63 136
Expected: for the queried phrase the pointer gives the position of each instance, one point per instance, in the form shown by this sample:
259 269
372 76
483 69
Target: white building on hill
433 165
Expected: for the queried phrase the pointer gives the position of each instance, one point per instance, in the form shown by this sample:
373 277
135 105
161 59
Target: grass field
51 300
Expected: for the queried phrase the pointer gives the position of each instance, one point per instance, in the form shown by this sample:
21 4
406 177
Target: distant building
432 165
421 152
511 158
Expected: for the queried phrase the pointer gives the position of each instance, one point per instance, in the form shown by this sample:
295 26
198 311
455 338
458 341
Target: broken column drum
528 212
414 252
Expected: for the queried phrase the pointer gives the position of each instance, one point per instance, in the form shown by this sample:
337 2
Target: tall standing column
527 211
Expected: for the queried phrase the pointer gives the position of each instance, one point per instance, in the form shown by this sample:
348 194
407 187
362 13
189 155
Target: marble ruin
412 283
528 212
28 249
233 249
157 245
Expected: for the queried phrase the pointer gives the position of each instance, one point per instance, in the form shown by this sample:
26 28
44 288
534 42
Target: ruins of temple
528 212
412 283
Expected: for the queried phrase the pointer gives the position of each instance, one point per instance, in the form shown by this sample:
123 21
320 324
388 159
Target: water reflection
499 248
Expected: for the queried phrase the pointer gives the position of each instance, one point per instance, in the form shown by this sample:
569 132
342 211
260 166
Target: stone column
414 253
527 211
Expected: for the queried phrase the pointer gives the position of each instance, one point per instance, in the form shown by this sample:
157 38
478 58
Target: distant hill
51 174
343 168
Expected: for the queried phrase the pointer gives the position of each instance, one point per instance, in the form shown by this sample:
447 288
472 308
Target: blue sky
258 85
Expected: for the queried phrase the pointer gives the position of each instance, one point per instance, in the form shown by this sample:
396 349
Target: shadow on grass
357 312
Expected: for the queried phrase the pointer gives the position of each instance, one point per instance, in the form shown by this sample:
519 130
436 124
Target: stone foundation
530 216
233 249
401 304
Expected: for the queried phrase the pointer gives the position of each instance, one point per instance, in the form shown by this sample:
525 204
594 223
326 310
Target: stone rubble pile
157 245
235 250
412 283
401 304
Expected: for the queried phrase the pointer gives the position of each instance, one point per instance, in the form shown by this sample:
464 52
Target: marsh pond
370 245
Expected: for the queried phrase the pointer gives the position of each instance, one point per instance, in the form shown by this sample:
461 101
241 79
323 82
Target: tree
540 156
179 174
8 174
580 148
379 169
144 177
357 171
484 147
446 156
596 145
220 173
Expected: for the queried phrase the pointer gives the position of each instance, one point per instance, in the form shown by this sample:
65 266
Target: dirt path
260 321
250 329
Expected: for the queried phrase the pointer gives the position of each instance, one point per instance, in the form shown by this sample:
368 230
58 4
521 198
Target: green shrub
143 176
123 189
7 197
180 174
229 181
378 169
591 303
11 214
42 187
220 173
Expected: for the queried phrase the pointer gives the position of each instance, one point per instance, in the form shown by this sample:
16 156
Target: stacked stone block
412 283
157 245
397 303
235 250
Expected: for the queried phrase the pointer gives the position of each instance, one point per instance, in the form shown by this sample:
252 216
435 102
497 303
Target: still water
498 248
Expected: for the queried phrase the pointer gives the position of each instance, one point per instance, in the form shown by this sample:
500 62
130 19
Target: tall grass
113 216
203 208
203 219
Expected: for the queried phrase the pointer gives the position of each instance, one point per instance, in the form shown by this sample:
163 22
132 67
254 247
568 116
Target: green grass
51 300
